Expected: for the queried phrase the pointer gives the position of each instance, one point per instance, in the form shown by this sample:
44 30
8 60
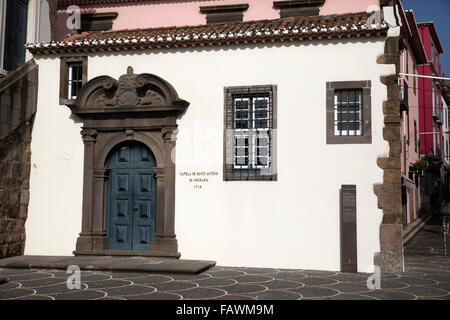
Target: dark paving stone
316 281
435 277
152 279
10 272
95 277
80 295
133 290
174 286
35 297
253 279
42 282
418 281
283 284
105 284
202 293
234 297
350 287
293 276
347 277
393 284
215 282
276 295
218 268
244 288
226 273
423 291
346 296
315 292
390 295
30 276
260 271
389 276
413 274
127 275
158 296
190 277
56 288
442 286
9 285
318 273
111 298
16 293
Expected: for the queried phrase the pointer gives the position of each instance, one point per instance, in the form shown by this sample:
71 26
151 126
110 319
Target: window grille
75 79
250 124
348 113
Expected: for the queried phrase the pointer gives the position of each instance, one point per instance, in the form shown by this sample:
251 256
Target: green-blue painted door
131 210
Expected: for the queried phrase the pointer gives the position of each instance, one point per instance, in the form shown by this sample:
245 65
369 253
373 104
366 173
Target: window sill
349 140
68 102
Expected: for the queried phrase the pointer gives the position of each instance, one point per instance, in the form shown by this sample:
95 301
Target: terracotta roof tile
287 29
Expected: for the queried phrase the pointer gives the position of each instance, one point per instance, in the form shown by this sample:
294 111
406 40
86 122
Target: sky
437 11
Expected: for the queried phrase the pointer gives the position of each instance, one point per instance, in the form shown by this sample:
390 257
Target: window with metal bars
250 124
73 75
74 79
348 112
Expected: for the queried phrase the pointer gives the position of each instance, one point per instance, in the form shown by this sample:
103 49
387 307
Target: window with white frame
251 127
249 140
348 111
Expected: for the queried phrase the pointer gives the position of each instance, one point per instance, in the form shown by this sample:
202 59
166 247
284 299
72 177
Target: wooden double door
131 198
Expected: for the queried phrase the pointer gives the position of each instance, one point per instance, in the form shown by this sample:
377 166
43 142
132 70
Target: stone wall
15 155
18 92
390 257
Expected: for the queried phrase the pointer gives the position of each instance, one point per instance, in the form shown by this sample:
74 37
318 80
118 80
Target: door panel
131 198
144 198
121 209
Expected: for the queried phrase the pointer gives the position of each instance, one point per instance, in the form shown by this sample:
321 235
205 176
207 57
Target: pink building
412 55
153 14
430 100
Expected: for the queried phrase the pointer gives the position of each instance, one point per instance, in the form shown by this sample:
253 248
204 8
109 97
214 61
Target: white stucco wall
54 211
290 223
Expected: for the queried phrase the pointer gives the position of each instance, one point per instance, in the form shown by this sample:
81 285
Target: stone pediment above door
131 93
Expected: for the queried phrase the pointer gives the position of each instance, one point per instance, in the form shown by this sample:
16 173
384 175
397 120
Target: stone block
24 196
392 176
389 262
389 163
391 108
391 132
395 148
391 237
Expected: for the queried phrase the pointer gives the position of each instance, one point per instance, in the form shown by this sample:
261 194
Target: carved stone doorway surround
141 108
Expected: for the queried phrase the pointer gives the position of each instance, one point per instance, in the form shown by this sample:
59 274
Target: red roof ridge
237 23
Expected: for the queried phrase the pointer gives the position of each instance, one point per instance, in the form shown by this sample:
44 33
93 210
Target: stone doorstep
414 228
104 263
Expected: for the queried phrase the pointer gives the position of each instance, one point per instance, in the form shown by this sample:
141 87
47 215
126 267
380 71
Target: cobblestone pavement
427 276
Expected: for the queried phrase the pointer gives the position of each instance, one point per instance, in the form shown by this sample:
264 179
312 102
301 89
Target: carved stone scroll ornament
130 90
